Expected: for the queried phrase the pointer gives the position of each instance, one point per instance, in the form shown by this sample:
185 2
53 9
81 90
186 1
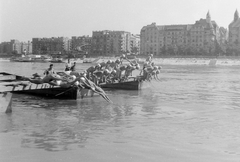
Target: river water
192 114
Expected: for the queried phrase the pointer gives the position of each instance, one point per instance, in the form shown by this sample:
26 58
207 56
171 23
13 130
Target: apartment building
110 42
54 45
81 44
26 47
202 35
15 47
135 43
154 38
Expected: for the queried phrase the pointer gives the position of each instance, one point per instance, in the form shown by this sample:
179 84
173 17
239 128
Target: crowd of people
104 72
115 71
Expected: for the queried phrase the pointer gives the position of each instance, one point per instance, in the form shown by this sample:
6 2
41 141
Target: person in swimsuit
73 68
50 70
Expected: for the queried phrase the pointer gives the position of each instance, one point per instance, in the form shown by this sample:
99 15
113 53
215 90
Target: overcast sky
27 19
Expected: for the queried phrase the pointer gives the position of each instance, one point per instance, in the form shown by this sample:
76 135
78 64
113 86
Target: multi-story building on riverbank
54 45
200 37
234 34
81 44
16 47
156 39
135 43
110 43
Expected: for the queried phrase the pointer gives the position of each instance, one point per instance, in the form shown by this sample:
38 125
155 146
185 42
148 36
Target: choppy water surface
193 114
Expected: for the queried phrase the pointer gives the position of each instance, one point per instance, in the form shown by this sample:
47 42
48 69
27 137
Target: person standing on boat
50 70
73 68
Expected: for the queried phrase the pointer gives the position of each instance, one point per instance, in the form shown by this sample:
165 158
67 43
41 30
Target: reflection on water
192 112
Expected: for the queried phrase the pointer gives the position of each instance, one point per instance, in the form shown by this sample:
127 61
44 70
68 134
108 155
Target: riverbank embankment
168 61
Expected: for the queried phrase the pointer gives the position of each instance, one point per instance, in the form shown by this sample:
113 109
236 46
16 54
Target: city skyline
27 19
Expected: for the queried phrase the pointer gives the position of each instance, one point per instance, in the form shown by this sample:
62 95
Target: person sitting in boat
108 64
70 81
122 72
67 68
149 59
103 65
146 71
106 75
112 65
46 79
113 77
122 57
97 77
73 67
49 70
91 70
118 72
118 61
129 70
62 76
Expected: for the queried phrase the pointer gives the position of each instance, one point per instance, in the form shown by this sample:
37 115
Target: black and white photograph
119 80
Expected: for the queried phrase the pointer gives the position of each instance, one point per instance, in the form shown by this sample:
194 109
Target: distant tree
180 50
171 51
163 50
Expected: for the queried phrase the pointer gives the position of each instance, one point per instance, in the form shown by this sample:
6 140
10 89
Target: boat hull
128 85
53 93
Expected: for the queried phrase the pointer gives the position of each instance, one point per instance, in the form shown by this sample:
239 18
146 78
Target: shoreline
169 61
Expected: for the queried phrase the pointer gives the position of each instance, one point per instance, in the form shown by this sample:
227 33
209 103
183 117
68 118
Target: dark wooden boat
47 91
52 92
20 86
135 84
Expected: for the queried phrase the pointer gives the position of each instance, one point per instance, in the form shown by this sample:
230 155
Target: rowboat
6 101
20 86
47 91
135 84
53 92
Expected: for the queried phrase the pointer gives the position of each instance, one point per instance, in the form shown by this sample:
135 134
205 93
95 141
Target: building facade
135 43
26 47
234 34
81 44
16 47
54 45
110 43
200 37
